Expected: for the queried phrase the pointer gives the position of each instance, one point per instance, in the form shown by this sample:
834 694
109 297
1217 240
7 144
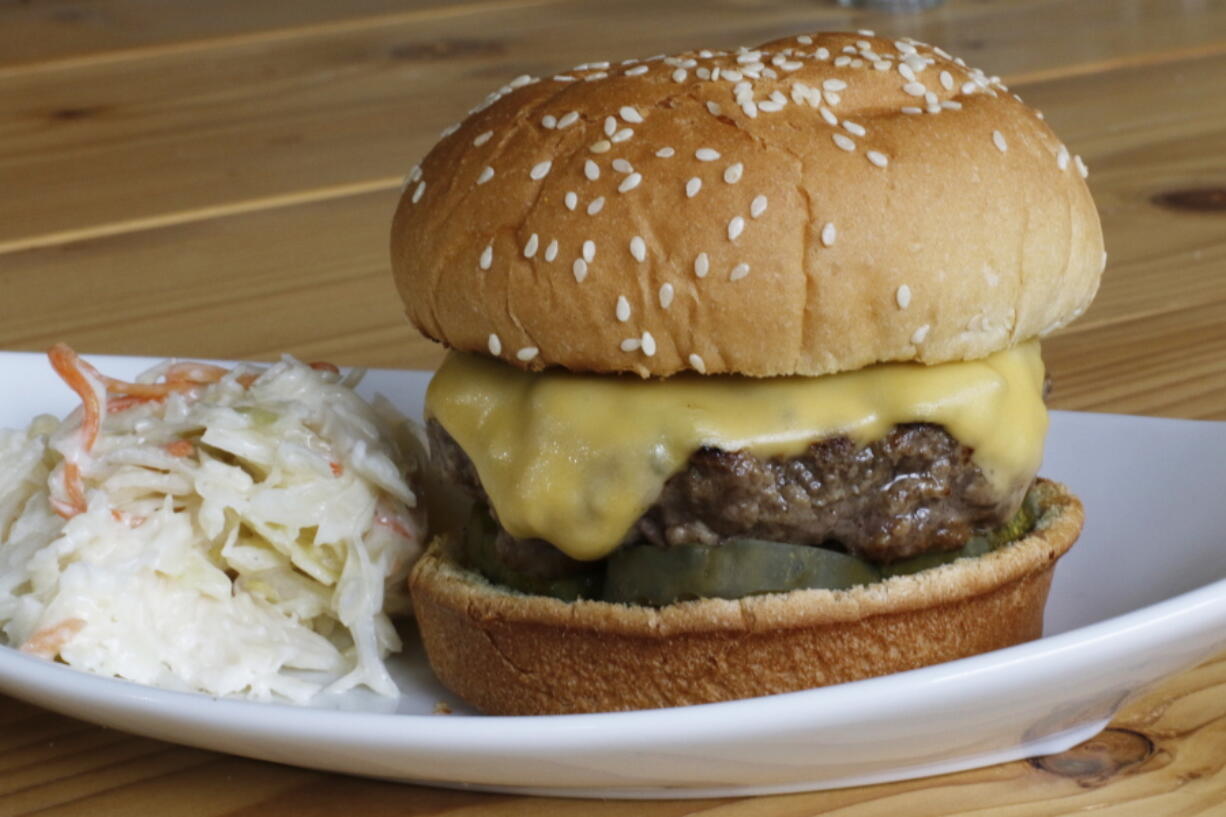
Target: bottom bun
507 653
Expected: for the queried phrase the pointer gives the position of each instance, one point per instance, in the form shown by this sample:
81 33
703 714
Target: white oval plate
1141 596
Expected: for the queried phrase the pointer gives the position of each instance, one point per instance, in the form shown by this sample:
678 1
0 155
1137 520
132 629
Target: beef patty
915 490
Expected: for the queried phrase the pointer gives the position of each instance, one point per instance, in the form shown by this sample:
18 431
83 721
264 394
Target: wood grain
216 180
134 143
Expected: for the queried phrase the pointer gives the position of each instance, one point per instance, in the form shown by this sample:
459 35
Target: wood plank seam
274 35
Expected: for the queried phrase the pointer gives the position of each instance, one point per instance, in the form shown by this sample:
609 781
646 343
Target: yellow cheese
576 459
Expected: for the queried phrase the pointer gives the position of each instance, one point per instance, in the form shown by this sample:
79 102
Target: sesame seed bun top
813 205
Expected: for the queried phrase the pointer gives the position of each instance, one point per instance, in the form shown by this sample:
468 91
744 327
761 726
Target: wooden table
216 179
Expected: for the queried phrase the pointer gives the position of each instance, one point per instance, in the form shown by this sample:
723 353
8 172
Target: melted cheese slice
576 459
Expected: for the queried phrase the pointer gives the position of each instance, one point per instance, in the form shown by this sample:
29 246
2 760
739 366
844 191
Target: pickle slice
479 555
654 577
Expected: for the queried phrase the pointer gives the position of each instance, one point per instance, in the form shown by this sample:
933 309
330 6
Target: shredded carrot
125 518
72 370
47 642
194 373
337 468
179 448
245 380
324 366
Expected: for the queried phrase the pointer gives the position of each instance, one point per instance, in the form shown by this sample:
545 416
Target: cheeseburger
745 387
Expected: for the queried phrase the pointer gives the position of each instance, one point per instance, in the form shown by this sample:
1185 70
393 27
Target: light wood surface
216 179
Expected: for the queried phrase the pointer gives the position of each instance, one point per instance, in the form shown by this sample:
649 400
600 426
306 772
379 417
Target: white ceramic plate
1143 595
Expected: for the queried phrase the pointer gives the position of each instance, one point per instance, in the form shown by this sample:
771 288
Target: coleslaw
239 532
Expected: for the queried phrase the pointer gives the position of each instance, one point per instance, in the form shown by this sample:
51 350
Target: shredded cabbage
216 531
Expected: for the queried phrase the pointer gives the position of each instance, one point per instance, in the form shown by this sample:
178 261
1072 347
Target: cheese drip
576 459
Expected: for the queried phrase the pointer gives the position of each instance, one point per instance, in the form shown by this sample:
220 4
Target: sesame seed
732 174
998 139
844 142
630 182
731 74
758 206
1077 160
699 365
623 309
822 53
551 252
595 205
947 80
622 135
702 265
918 336
495 345
591 170
739 272
487 257
589 251
485 137
638 248
622 166
568 119
951 105
596 76
706 154
602 146
521 80
842 61
579 270
571 199
417 194
834 85
904 47
704 73
530 247
665 152
750 108
912 110
735 227
692 187
829 234
549 122
1039 114
878 158
969 87
907 73
770 106
852 127
610 125
631 345
829 116
415 174
541 170
631 114
486 175
679 75
915 88
713 108
527 353
903 296
563 78
804 39
450 129
931 98
636 70
649 344
666 296
1062 158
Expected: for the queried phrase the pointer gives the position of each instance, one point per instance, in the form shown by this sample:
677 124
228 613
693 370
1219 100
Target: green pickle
479 555
653 576
737 568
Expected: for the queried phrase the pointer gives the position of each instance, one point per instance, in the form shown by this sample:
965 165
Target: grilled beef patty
916 490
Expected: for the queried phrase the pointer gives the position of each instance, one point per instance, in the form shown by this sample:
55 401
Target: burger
744 388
